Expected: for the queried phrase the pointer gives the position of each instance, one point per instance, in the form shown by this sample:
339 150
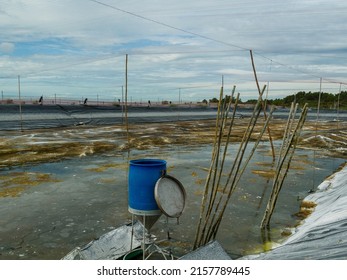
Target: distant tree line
226 98
327 100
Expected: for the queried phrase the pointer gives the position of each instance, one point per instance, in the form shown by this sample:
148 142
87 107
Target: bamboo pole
246 136
212 202
338 107
288 128
212 220
280 175
218 146
208 179
238 174
126 100
263 104
214 187
20 105
221 134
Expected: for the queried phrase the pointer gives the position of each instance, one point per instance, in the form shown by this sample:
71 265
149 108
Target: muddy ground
47 145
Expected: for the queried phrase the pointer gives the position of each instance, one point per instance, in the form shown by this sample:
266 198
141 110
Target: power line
240 48
208 38
169 26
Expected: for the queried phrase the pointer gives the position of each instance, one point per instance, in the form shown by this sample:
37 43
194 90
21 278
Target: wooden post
126 99
20 105
264 106
290 140
338 107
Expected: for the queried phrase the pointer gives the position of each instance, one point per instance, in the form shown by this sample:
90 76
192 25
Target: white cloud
82 44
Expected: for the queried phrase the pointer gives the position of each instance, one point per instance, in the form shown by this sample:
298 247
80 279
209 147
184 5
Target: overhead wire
169 26
207 38
122 52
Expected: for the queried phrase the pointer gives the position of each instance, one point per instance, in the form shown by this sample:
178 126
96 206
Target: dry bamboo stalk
228 135
286 140
211 229
218 149
246 135
215 185
207 182
238 176
279 178
126 100
212 202
256 143
286 136
212 188
264 107
287 129
221 134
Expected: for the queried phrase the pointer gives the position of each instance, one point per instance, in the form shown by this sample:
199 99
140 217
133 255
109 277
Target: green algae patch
15 183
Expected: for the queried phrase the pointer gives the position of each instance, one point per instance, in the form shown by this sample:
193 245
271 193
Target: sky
179 51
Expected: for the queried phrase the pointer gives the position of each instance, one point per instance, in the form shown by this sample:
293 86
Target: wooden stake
126 100
20 105
264 106
288 148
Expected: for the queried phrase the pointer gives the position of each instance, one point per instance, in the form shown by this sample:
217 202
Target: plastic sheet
52 116
323 235
110 246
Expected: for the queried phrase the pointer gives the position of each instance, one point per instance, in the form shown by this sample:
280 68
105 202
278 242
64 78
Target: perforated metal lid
170 196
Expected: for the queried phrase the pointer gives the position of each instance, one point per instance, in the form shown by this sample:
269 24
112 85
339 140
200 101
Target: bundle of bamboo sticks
289 142
218 190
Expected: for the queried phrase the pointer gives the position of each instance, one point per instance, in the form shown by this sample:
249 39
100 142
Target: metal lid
170 196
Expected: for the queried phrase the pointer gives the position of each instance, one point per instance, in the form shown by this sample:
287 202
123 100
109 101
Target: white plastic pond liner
211 251
323 235
110 246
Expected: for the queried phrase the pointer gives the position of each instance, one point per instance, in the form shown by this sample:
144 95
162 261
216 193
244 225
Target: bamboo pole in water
209 174
338 107
237 173
210 187
218 174
201 234
126 100
20 105
216 205
287 150
263 104
216 185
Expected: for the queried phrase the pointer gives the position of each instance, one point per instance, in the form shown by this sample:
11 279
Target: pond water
69 202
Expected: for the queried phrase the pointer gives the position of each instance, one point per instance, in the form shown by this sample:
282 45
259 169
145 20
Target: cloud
79 46
6 47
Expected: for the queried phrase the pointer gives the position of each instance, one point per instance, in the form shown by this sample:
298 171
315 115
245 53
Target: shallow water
50 116
63 187
83 197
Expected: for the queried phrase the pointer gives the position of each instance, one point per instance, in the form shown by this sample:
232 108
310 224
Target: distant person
41 100
85 101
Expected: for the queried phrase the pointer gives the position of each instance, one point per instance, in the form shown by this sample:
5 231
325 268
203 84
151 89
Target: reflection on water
75 200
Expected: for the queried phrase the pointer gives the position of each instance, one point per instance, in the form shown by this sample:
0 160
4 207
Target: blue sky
76 49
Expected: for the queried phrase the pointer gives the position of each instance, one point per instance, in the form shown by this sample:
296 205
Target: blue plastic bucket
143 175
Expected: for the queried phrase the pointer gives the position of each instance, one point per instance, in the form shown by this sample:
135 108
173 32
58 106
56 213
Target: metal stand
144 238
143 245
